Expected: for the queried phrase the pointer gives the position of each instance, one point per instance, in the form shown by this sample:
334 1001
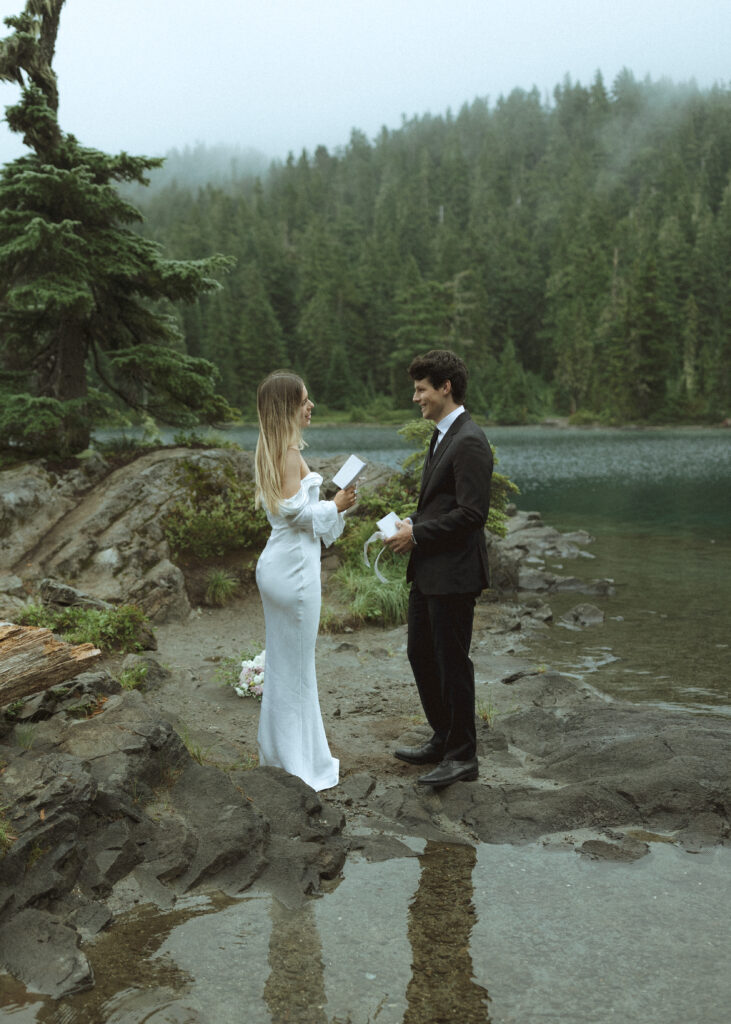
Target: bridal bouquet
251 679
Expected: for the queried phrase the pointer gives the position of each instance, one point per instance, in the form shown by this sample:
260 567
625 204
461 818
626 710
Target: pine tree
85 308
509 391
259 347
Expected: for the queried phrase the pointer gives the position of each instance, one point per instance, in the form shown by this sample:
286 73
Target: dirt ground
368 698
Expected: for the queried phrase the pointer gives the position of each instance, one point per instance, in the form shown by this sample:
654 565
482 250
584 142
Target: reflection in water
130 981
295 988
441 917
363 926
555 936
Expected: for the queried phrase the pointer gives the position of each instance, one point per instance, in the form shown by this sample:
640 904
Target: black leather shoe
448 772
430 753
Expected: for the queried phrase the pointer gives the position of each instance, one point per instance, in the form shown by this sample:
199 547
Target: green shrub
133 678
215 516
210 439
220 587
373 601
501 494
583 418
111 629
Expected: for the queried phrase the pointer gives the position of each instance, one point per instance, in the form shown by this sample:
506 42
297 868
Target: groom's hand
403 540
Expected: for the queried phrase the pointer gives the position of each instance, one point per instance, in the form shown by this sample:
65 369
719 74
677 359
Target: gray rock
111 811
44 954
583 615
571 584
11 607
377 848
623 851
12 585
86 916
504 565
111 853
230 842
60 595
357 787
536 579
305 842
155 674
162 594
31 502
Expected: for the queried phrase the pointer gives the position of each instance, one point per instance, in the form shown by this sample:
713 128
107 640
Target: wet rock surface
111 810
118 799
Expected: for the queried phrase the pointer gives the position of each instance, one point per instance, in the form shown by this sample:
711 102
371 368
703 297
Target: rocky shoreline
121 798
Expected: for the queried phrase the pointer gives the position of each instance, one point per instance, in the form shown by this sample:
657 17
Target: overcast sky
283 75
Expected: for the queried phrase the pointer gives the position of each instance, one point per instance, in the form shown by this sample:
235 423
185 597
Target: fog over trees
194 166
576 252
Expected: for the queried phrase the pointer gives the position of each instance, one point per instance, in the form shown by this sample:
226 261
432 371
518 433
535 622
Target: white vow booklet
388 525
348 472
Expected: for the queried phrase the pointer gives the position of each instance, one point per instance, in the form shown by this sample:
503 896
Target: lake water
658 502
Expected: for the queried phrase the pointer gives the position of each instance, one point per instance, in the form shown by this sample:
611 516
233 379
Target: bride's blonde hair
279 409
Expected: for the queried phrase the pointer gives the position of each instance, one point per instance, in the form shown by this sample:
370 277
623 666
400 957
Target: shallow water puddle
485 935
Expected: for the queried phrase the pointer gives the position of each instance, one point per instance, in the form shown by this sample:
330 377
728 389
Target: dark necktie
432 445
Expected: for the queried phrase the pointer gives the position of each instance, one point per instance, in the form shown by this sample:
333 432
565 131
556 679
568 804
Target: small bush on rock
215 516
133 678
110 629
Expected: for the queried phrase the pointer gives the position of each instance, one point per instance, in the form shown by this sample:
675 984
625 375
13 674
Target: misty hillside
199 165
576 251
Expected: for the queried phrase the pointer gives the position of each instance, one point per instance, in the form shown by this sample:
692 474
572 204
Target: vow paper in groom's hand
349 472
388 525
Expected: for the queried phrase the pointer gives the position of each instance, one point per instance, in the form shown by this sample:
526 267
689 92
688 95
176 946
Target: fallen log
33 659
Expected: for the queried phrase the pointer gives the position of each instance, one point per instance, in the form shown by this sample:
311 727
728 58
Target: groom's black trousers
439 637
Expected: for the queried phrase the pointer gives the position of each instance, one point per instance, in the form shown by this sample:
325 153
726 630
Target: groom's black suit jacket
450 556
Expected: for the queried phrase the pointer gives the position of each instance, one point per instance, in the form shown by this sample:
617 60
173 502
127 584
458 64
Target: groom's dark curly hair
438 366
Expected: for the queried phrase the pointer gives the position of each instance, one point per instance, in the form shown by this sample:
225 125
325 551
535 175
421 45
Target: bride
291 733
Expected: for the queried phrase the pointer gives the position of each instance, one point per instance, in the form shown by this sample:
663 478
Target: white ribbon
373 537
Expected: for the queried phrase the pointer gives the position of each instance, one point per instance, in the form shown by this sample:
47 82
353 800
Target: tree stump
33 659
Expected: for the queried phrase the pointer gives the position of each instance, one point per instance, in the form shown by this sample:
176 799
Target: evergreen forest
574 250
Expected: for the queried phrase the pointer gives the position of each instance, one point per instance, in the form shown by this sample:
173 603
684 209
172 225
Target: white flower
251 677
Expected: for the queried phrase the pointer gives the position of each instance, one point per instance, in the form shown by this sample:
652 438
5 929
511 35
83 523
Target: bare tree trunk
33 659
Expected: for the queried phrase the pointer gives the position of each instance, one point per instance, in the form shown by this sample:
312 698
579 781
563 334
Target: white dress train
291 733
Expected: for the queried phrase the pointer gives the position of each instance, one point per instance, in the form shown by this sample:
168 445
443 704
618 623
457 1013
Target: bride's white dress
291 733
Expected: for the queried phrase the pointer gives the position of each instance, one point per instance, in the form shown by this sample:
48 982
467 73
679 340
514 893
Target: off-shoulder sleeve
320 518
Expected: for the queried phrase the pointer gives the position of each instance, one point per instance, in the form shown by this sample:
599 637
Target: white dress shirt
444 425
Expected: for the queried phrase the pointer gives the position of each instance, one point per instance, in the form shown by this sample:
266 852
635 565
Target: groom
447 568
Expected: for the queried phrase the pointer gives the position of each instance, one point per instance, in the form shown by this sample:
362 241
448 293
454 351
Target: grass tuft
133 678
369 599
7 837
221 587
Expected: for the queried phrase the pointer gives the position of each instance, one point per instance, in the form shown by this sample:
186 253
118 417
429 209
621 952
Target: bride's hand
345 499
